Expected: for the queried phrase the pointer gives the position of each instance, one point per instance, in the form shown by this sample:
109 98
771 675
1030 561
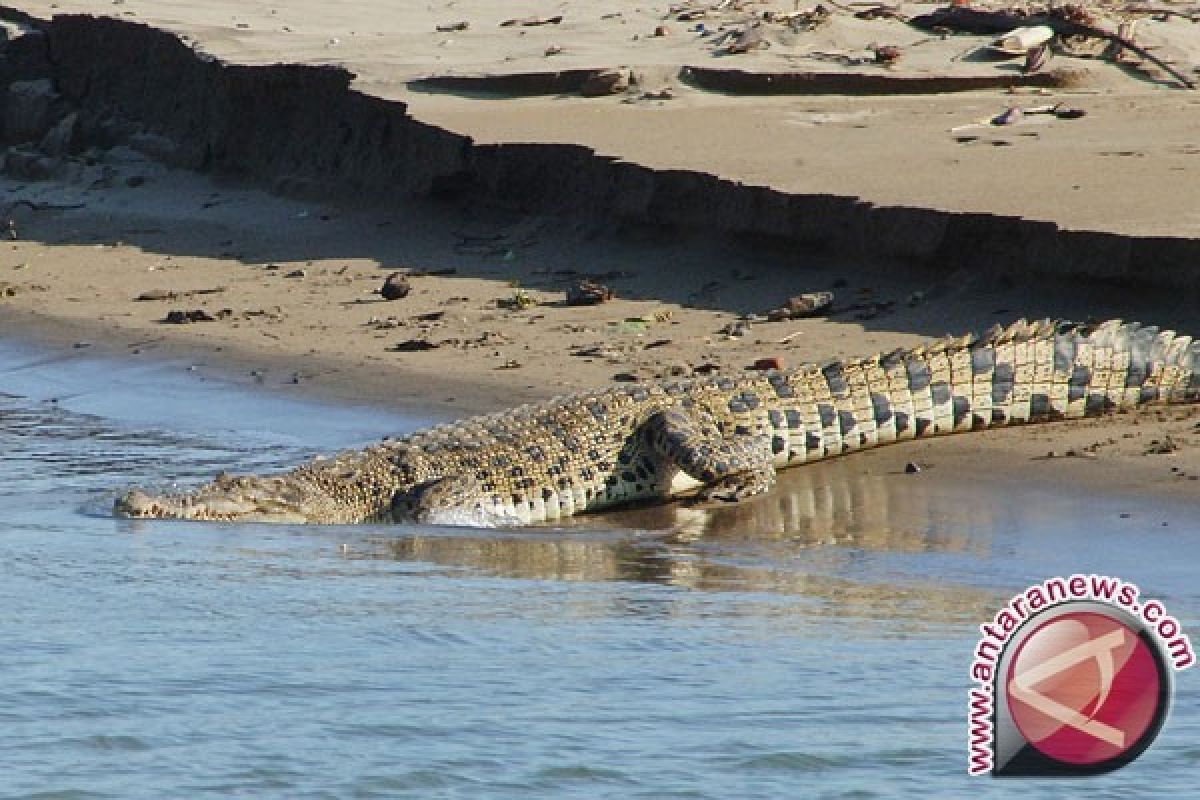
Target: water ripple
791 762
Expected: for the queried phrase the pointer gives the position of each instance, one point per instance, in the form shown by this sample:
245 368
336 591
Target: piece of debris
1083 46
1056 110
552 50
736 329
589 293
1015 114
886 54
912 468
879 12
662 30
511 363
1011 116
451 27
375 323
634 325
272 315
809 304
665 93
519 301
485 339
531 22
770 363
414 346
395 287
800 21
296 273
1020 41
178 317
626 377
745 40
1071 23
605 82
597 351
1126 32
1160 447
1036 59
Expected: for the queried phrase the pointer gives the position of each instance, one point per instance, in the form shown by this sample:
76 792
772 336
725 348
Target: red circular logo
1084 688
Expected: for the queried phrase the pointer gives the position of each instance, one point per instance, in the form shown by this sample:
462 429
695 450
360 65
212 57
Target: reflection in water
815 536
836 503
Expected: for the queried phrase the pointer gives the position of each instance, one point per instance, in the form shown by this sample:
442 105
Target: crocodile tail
1027 372
1047 370
1030 371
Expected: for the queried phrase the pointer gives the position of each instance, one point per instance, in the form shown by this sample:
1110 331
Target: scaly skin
725 435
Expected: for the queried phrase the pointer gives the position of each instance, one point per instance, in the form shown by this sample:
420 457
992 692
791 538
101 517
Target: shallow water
814 642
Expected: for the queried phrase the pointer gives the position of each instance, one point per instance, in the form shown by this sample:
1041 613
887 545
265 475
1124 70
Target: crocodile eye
404 468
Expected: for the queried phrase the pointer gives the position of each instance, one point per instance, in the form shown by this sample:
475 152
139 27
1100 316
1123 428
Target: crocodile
714 439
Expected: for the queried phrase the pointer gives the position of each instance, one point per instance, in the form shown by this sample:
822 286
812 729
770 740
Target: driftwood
1162 11
969 20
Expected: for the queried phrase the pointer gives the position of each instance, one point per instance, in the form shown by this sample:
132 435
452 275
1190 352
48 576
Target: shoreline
1082 456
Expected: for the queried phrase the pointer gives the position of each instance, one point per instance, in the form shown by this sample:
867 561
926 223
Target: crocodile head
230 499
344 489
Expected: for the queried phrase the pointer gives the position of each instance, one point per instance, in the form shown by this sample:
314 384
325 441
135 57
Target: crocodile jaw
225 507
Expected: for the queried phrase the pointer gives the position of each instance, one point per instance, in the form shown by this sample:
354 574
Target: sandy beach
129 257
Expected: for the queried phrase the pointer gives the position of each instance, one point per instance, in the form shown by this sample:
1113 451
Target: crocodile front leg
729 468
427 501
